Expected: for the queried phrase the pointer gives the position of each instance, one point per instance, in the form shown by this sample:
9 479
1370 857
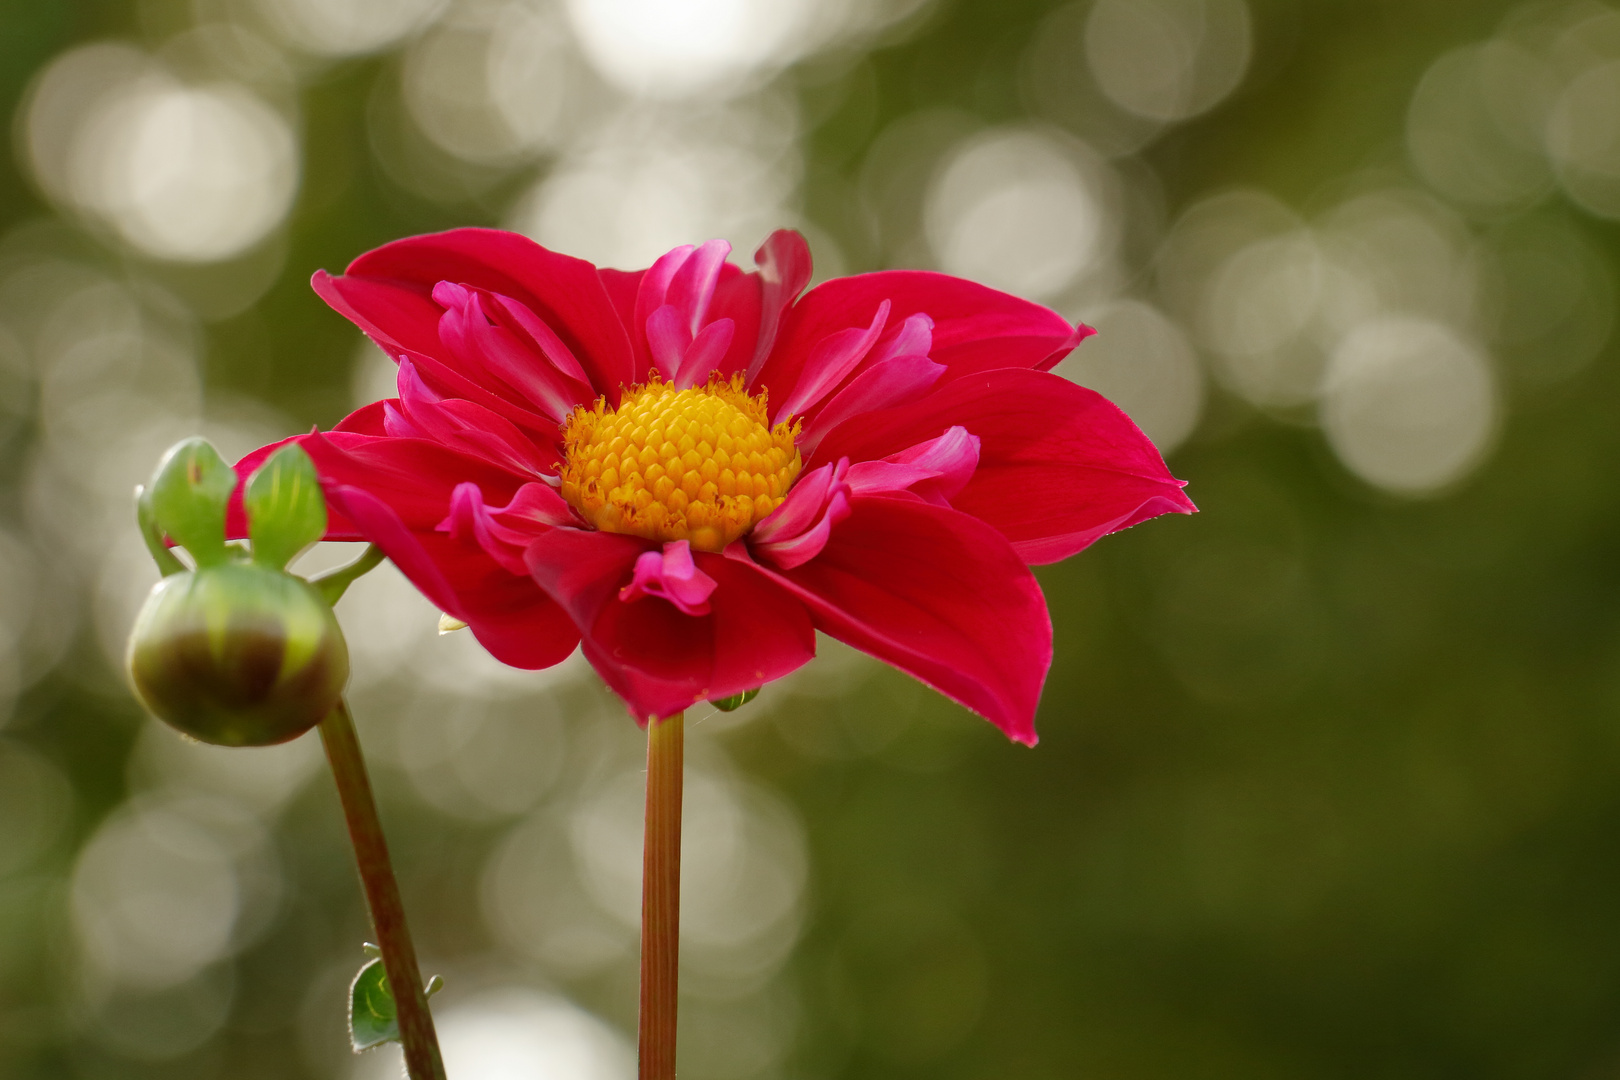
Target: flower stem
416 1035
661 899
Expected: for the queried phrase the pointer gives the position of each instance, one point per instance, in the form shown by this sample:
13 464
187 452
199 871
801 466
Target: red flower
689 469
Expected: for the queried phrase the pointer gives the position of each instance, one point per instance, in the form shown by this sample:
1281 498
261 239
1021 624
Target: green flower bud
238 654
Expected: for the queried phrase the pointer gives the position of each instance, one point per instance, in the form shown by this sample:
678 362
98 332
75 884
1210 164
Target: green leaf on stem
373 1015
286 511
735 701
189 492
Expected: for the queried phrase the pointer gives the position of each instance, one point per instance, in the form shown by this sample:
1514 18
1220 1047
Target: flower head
690 469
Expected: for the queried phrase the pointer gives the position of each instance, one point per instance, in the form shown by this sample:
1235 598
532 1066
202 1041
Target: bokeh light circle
514 1033
1583 137
1014 210
347 27
659 49
1474 126
189 173
1168 60
1408 405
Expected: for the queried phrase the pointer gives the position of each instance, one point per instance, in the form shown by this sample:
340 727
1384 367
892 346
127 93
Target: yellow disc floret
701 465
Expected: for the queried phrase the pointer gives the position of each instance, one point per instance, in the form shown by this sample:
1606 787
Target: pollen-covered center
701 465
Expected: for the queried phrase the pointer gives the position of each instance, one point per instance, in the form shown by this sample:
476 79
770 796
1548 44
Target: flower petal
413 476
830 363
657 658
672 575
938 594
531 360
934 471
463 425
564 292
705 353
784 270
797 530
1059 465
512 618
881 386
692 287
975 328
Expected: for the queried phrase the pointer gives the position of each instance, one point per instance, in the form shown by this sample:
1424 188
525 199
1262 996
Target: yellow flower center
701 465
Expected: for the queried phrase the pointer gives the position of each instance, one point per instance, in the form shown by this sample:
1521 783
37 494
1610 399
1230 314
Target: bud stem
661 899
422 1060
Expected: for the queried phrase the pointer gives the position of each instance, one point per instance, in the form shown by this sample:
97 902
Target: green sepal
373 1016
168 565
735 701
286 511
334 583
190 490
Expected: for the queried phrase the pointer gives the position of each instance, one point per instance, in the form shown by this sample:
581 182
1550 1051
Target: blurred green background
1329 780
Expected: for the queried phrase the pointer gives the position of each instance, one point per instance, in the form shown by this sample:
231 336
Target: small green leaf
286 511
373 1018
189 492
735 701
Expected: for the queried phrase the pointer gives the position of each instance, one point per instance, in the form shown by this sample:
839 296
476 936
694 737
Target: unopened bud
238 654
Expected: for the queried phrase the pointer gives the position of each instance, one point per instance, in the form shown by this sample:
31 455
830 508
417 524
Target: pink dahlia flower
690 469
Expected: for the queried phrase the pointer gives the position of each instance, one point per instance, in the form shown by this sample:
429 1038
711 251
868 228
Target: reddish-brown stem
416 1035
661 899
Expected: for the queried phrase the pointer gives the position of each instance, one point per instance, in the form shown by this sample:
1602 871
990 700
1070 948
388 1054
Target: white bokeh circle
1408 405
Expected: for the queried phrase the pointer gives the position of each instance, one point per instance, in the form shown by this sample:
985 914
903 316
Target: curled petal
1059 465
469 333
534 507
704 354
673 575
659 659
913 337
466 425
544 337
948 462
667 339
975 328
652 289
934 471
795 532
504 531
692 287
784 270
881 386
831 361
469 523
563 292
